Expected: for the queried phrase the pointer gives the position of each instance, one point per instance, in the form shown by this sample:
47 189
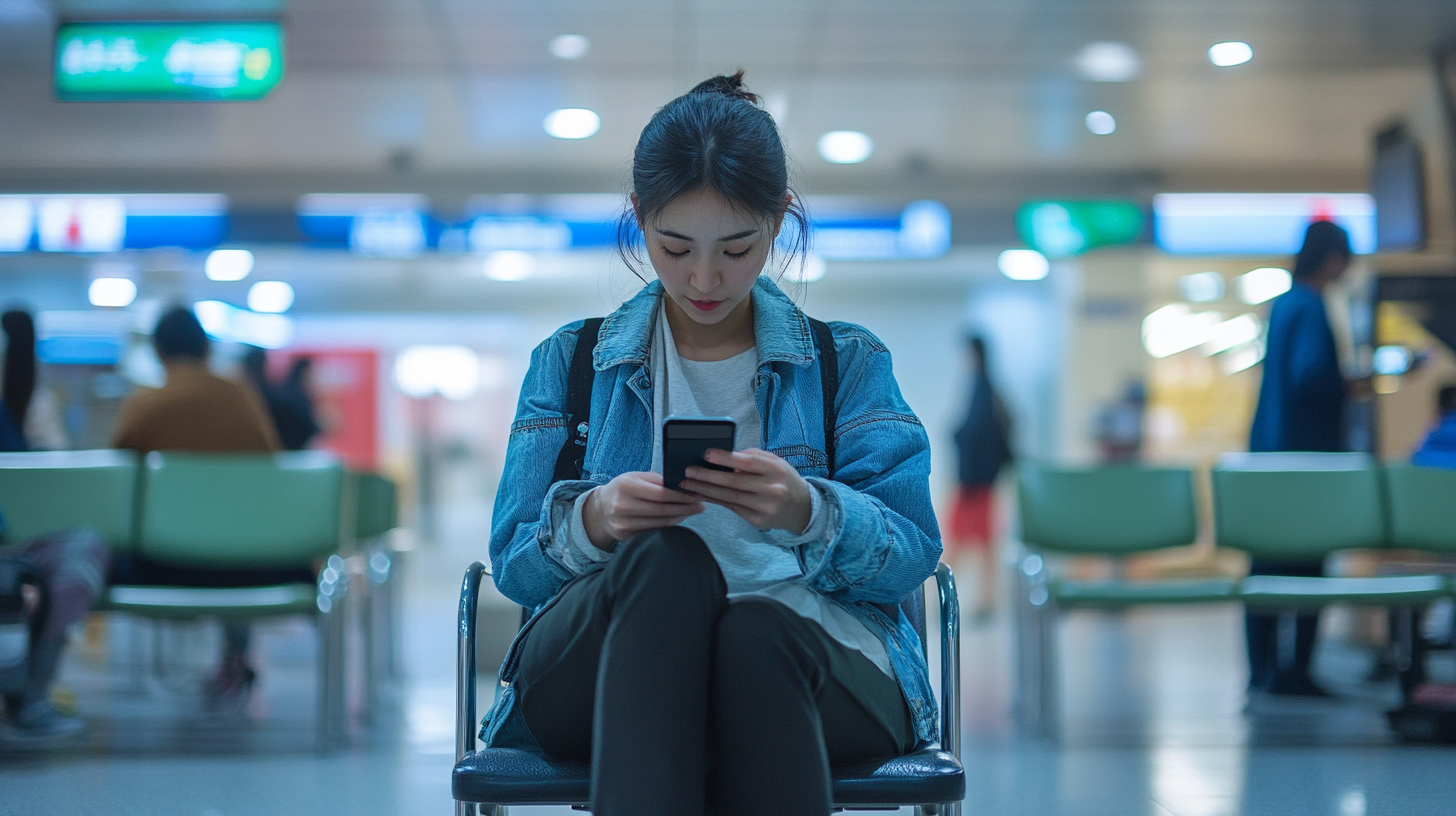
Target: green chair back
1297 505
48 491
376 511
240 510
1422 506
1112 510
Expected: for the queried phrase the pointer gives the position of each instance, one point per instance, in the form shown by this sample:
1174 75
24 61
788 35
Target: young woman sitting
715 649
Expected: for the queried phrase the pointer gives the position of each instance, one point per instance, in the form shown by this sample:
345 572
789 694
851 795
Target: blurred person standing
292 406
18 386
1302 403
1438 449
983 448
1119 426
198 411
65 568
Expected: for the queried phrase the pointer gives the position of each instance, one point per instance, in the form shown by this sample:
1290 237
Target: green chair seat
192 602
1117 594
1292 591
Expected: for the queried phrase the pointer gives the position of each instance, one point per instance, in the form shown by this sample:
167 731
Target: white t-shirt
755 563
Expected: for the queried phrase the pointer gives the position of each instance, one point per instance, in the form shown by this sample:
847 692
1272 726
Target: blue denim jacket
888 542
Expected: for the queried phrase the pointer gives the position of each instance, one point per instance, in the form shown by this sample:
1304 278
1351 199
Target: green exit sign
209 61
1061 229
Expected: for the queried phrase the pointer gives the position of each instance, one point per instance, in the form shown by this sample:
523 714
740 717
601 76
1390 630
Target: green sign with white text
1061 229
161 61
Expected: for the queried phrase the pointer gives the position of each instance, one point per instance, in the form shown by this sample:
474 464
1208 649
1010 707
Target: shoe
1297 687
234 681
40 722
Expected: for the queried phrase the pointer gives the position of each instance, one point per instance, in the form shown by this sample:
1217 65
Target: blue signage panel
1256 223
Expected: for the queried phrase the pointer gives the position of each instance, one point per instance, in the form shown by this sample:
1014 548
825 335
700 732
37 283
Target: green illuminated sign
227 60
1061 229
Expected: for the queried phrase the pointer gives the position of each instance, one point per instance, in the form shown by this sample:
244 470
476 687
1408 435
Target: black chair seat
511 776
507 775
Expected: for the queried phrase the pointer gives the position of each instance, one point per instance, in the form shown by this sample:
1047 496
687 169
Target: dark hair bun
730 86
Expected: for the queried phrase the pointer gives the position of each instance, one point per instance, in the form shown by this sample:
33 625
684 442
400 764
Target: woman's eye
738 254
674 254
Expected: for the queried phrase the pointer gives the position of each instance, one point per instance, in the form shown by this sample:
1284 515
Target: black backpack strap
579 379
828 383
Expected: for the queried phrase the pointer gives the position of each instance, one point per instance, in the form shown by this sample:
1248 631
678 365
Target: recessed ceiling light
270 297
509 265
1101 123
1023 264
113 292
572 123
1108 62
845 146
569 46
228 264
1227 54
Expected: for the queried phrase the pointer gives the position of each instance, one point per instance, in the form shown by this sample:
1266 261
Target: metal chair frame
466 720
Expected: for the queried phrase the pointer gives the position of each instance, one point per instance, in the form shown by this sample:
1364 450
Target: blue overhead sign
109 223
1256 223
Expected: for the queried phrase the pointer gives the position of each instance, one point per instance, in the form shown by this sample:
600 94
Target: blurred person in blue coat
1302 404
1438 449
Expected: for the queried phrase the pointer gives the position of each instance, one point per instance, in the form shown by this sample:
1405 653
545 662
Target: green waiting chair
249 510
1307 506
1421 502
49 491
1094 511
1420 505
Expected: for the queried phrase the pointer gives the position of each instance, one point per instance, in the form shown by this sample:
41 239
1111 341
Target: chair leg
1050 690
331 677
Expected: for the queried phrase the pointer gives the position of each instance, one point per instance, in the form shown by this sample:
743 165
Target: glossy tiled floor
1154 725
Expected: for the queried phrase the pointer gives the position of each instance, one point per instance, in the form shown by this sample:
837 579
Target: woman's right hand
633 503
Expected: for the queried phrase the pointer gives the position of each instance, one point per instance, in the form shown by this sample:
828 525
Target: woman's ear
637 213
779 219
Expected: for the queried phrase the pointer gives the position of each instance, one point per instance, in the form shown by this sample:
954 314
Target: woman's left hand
763 489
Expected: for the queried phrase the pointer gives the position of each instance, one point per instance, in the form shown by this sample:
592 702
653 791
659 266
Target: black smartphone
686 439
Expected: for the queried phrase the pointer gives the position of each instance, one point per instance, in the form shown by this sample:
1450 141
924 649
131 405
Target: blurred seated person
293 407
1439 447
66 568
66 572
198 411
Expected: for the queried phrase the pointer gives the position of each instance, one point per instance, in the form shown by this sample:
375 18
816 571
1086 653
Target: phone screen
685 440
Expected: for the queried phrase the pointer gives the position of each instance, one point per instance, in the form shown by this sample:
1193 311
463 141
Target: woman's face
707 253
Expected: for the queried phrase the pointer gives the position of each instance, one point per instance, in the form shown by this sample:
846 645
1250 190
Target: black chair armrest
465 718
950 661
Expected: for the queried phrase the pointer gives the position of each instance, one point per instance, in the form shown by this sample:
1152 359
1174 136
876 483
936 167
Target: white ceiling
956 93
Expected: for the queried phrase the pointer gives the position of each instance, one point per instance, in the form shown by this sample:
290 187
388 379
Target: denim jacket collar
780 329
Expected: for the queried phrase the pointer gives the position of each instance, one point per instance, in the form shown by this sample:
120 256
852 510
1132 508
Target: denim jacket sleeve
888 541
524 568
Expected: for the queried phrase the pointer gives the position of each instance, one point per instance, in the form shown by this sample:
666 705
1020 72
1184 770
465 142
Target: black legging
688 704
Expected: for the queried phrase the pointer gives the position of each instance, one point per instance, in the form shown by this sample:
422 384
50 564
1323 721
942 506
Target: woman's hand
634 503
763 489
